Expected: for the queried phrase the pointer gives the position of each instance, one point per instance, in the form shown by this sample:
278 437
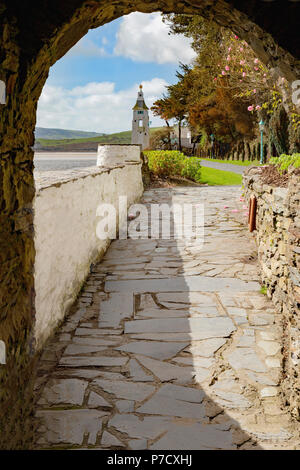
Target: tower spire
140 121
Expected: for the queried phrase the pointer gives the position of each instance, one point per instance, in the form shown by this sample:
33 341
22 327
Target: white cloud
144 37
87 48
95 107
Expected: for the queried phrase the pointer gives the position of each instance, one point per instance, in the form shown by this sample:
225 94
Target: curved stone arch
33 37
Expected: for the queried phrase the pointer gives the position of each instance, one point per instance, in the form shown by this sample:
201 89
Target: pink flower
256 61
226 207
228 58
229 49
258 108
254 91
215 78
255 68
244 74
235 36
223 72
242 62
241 49
234 210
227 68
265 74
250 108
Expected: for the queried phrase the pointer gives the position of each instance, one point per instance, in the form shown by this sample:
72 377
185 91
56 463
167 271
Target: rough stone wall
278 241
66 242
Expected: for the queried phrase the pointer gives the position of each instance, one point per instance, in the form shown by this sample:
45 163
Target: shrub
191 168
173 163
165 162
284 162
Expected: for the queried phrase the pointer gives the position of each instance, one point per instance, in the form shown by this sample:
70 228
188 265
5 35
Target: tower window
140 112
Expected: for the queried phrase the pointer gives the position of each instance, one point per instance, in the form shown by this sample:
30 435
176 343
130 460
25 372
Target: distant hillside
83 144
56 134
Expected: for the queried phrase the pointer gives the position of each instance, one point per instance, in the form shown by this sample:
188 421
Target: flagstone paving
171 345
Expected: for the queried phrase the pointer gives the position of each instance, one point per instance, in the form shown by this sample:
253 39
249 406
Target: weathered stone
177 284
245 358
231 399
269 347
206 348
127 390
171 400
108 440
137 373
64 391
204 327
194 436
96 400
166 372
88 361
70 426
148 428
155 349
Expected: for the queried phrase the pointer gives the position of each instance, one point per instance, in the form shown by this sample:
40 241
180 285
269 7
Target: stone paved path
170 346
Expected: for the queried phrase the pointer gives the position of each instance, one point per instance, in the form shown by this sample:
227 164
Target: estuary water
56 161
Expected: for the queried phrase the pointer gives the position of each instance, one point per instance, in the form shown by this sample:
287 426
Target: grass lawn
214 177
233 162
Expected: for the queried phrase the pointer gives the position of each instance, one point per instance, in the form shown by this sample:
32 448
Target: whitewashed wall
65 233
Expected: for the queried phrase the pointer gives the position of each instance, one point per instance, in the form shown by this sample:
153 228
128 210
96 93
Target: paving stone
100 361
127 390
261 319
246 358
95 341
246 341
137 373
138 444
273 362
269 347
194 436
194 361
63 391
231 399
169 298
148 428
269 392
155 349
262 379
125 406
115 309
170 401
188 284
78 349
70 426
206 348
96 400
109 440
96 332
88 373
166 371
205 327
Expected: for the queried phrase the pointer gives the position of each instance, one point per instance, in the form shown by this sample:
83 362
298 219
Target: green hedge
173 163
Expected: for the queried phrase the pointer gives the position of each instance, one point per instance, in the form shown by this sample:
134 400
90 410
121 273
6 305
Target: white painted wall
65 233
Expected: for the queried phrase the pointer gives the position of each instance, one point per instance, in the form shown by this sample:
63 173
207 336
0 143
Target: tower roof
140 103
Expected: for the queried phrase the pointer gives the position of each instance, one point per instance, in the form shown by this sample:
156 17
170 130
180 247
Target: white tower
140 122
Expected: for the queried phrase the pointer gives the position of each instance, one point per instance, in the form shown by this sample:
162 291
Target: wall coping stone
47 179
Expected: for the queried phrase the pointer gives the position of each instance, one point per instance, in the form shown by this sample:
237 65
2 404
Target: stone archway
33 38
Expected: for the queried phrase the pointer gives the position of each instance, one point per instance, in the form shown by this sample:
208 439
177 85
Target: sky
94 86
